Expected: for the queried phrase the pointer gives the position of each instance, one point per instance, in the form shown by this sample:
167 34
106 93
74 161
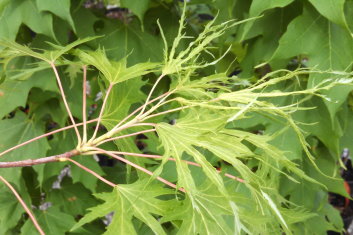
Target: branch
158 105
113 131
65 102
141 107
168 111
56 158
42 136
28 211
125 136
32 162
150 94
101 111
84 117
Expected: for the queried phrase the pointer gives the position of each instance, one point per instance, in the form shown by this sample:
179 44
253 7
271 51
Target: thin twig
233 177
125 136
32 162
150 94
102 110
168 111
28 211
116 130
92 172
142 124
42 136
141 107
140 168
65 102
84 111
158 105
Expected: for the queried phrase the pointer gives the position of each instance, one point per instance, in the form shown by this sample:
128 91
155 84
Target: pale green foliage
115 72
203 133
128 201
49 56
188 58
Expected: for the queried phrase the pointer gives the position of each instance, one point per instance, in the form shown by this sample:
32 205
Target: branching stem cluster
90 147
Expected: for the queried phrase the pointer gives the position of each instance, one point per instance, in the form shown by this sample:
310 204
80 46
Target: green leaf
257 7
14 93
264 38
61 143
347 129
3 5
79 175
139 7
84 15
51 220
326 217
16 50
60 8
24 12
15 131
71 198
10 210
121 99
121 40
328 165
327 49
319 124
274 208
332 10
205 213
128 201
180 138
